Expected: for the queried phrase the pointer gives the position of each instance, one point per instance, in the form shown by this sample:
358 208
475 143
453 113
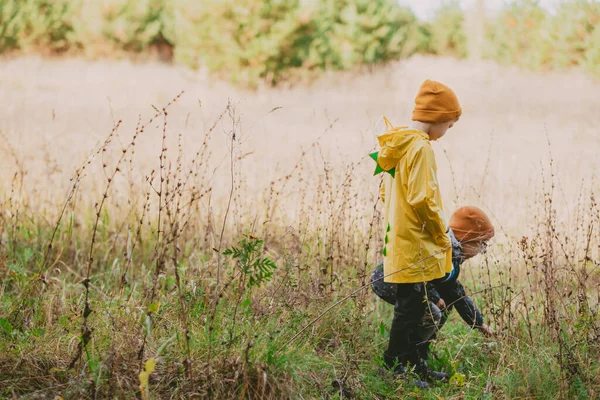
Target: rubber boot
399 370
427 373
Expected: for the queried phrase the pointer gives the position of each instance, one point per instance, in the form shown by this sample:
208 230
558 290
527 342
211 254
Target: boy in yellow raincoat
417 245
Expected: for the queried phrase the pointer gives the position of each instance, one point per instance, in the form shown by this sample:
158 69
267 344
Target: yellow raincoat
417 247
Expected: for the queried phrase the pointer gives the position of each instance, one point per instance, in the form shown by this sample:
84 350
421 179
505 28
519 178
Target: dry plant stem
131 244
175 233
77 179
131 249
211 318
274 192
86 331
487 162
232 174
368 244
456 191
201 153
467 338
240 290
188 361
329 230
159 250
161 178
15 209
526 316
225 287
550 285
13 153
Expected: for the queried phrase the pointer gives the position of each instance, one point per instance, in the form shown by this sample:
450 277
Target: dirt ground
53 112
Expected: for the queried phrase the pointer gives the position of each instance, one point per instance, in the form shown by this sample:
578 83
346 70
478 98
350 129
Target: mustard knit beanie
436 103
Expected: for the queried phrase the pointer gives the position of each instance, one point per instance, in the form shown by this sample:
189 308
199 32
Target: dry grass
54 112
149 212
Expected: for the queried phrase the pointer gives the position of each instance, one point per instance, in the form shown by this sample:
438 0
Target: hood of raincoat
395 144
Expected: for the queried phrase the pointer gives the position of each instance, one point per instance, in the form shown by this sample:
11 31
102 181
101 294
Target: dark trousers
432 322
409 310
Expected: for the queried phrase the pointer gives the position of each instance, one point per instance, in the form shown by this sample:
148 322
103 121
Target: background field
515 122
144 206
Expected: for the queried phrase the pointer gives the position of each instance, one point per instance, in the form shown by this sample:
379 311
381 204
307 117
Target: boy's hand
441 304
486 330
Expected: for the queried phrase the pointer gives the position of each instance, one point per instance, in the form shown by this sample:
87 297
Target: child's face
438 130
472 248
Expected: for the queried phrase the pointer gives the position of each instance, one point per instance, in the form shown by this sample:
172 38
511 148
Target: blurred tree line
249 41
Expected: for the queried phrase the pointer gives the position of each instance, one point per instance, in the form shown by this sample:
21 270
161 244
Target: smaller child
470 230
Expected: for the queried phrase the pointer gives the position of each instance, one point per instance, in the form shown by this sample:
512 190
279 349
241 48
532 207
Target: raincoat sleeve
421 193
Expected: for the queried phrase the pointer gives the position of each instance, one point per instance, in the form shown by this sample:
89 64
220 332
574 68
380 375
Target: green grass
251 356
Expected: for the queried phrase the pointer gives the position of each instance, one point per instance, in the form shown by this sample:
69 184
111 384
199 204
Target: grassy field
144 208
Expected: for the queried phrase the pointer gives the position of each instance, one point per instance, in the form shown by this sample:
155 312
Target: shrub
352 32
515 36
241 40
39 24
573 33
133 25
526 35
250 40
445 35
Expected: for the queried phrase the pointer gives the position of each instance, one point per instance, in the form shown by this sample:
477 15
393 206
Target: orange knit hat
436 103
471 224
